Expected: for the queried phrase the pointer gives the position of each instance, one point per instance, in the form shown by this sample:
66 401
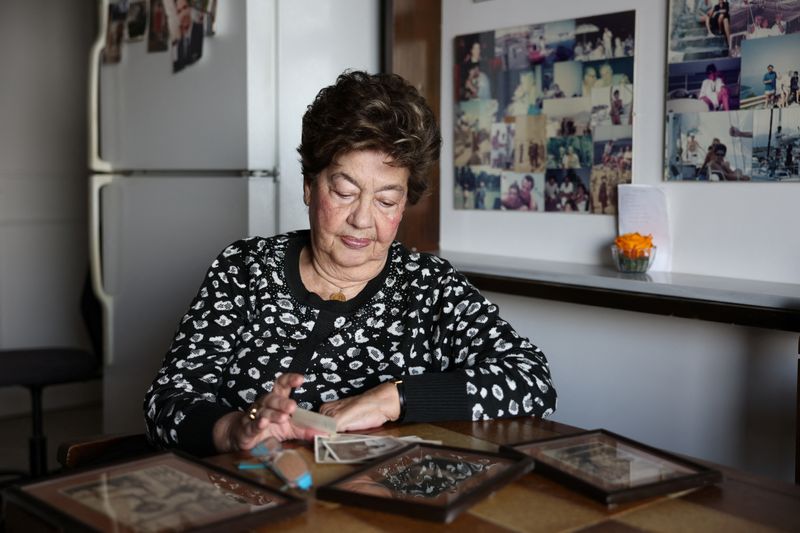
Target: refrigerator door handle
96 163
96 184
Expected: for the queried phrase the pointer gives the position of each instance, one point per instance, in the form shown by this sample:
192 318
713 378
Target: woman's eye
387 204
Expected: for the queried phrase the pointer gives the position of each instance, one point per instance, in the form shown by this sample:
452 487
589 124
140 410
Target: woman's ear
307 192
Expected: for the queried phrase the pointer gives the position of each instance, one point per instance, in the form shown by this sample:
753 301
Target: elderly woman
342 319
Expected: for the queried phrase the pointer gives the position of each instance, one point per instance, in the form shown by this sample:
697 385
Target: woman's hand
238 431
368 410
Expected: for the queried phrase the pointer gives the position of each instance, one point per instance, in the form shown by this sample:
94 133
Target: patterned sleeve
488 370
203 346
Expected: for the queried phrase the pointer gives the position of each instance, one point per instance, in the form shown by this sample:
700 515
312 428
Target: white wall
43 50
719 392
317 40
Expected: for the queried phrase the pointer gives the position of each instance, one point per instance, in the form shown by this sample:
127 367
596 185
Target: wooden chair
101 449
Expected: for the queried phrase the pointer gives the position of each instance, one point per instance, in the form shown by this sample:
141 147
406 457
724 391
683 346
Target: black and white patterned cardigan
253 320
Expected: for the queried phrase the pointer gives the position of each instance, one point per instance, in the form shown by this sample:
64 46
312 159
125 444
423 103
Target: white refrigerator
183 164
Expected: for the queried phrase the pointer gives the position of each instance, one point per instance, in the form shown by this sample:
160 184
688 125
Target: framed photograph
613 469
164 492
428 481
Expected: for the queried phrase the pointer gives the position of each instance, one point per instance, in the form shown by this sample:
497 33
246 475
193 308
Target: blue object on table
288 465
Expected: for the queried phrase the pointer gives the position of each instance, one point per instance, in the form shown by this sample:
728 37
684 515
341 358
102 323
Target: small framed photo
165 492
614 469
428 481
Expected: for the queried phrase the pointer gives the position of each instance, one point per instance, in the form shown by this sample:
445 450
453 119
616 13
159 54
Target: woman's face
355 207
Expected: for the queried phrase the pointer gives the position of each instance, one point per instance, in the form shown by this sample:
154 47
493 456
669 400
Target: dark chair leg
37 443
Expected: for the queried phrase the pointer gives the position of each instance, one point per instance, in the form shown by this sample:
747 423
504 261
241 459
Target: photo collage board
543 115
732 100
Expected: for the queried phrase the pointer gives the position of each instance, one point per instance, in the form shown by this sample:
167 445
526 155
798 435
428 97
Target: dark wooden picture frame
614 469
69 502
400 482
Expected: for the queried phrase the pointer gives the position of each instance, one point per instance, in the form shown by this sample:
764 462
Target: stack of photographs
733 91
347 448
428 481
543 115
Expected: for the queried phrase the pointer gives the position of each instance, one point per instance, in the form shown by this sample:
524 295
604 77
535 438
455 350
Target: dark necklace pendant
338 297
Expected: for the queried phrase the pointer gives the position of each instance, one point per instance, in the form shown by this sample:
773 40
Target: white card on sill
644 208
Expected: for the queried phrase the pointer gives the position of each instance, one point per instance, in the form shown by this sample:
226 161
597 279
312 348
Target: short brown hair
371 112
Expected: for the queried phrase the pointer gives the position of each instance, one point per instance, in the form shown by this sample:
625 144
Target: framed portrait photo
613 469
164 492
428 481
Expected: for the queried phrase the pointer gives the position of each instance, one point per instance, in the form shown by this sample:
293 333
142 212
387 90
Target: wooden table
740 503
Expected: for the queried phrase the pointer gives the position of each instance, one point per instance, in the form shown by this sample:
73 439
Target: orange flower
634 245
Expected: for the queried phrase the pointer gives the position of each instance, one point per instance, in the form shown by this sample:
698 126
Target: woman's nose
361 215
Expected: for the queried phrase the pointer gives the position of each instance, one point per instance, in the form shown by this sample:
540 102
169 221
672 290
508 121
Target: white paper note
643 208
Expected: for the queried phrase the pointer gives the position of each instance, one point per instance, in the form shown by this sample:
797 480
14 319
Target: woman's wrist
391 406
401 396
221 432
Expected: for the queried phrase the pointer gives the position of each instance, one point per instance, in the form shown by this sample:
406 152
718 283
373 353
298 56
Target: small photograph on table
530 144
568 116
701 86
473 130
567 191
476 187
769 71
699 29
522 191
605 36
519 92
562 80
612 106
776 144
502 154
709 146
569 152
474 63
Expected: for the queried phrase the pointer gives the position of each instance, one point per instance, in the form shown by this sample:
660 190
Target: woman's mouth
355 243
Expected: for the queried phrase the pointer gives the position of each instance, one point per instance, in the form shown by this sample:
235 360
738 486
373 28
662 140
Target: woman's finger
285 383
278 403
